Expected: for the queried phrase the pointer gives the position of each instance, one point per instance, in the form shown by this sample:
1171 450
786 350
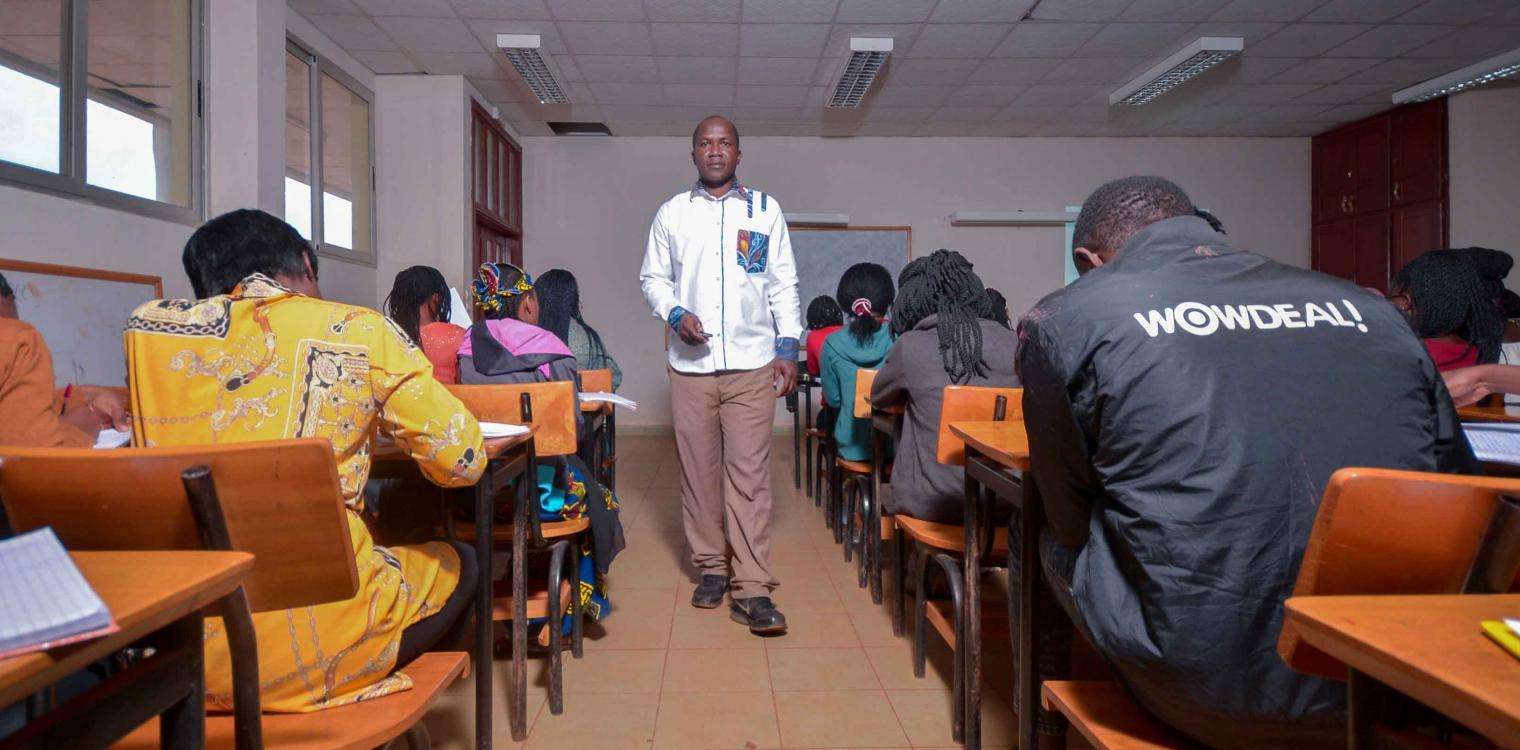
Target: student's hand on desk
1467 385
690 330
108 407
784 375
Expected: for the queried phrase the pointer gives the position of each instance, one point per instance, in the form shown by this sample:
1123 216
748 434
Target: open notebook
44 599
1494 442
609 398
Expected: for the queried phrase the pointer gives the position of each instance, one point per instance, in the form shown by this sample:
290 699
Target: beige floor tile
705 670
821 669
603 722
808 599
894 667
451 720
925 716
712 629
874 627
843 719
610 671
640 619
707 721
815 630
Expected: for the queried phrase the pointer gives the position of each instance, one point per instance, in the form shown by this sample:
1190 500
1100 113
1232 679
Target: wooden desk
1429 648
1489 413
159 594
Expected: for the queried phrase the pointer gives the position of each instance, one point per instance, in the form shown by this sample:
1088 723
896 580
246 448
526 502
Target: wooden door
1373 250
496 162
1369 188
1334 251
1332 176
1417 229
1419 153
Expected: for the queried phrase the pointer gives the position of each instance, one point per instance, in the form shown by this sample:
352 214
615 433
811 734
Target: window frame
72 179
317 67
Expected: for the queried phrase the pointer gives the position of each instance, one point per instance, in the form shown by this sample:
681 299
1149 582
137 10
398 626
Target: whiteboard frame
53 269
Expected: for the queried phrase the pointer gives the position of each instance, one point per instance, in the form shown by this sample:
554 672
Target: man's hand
689 328
1467 385
108 407
784 375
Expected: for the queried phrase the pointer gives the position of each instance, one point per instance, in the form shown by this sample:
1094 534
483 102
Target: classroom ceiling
958 67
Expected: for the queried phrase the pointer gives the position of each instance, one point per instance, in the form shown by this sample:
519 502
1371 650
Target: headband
861 307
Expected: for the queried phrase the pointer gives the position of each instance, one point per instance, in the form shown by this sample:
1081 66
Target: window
101 99
321 100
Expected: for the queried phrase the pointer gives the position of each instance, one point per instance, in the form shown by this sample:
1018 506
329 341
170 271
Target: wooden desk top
1489 413
144 591
1430 648
1004 442
495 448
594 407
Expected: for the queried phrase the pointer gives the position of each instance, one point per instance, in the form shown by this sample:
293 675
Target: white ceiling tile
1265 10
474 64
1252 69
1360 11
693 10
965 40
839 36
429 34
789 11
1134 40
354 33
1251 31
386 63
1091 113
1407 71
316 7
1474 41
1047 95
606 38
1022 113
1002 72
638 129
897 95
562 66
1046 39
703 94
617 68
1184 129
777 70
746 116
423 8
929 72
701 39
875 129
1389 40
1306 39
900 114
1353 112
501 91
884 11
782 39
984 95
980 11
626 93
965 114
1079 10
512 10
1261 93
1092 70
772 96
597 10
486 30
1325 69
1217 114
1340 93
1458 12
697 69
1251 129
578 92
1172 10
1291 113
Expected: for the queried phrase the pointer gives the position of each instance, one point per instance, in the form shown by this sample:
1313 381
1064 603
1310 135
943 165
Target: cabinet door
1373 250
1369 190
1332 176
1419 153
1417 229
1334 251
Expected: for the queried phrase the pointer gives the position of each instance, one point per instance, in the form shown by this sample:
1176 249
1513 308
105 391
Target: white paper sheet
609 398
459 313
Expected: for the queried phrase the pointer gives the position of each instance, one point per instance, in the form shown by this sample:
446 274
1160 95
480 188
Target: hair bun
861 307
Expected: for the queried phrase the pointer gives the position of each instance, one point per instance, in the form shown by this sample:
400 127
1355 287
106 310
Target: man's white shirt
728 261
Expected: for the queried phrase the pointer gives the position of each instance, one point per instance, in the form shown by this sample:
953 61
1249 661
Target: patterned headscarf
495 283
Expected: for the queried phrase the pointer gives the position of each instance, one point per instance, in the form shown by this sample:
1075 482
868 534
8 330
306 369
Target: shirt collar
259 286
735 189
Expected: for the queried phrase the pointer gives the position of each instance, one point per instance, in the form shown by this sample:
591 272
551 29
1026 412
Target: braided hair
866 291
413 288
995 308
1448 296
823 312
943 284
559 303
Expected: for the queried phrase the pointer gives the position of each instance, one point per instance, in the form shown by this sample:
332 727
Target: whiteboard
824 254
81 313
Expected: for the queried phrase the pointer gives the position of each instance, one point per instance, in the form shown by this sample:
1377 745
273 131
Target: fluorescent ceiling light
867 55
822 220
522 50
1205 52
1477 74
1011 218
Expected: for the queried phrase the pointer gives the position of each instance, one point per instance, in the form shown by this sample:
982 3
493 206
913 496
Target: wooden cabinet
1379 193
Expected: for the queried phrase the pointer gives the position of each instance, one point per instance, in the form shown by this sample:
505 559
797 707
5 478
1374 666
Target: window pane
139 118
345 167
31 43
298 144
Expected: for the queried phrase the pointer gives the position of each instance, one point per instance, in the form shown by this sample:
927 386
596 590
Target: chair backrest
596 381
972 403
280 499
1382 531
555 411
863 380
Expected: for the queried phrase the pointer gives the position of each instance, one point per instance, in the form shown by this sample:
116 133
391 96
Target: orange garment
30 409
440 343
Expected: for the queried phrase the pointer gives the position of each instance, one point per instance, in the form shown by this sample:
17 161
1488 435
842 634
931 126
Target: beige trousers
723 440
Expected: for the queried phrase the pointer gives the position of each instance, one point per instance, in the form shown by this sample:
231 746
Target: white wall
1483 141
588 203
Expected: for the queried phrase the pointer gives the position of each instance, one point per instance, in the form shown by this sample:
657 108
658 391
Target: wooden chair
850 486
1108 719
600 381
278 500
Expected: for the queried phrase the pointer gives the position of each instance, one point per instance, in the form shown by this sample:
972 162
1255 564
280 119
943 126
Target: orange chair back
555 411
596 381
863 380
972 403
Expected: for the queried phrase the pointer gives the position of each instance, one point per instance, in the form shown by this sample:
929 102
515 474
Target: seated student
867 289
32 412
824 318
559 303
261 356
419 303
1186 405
1451 307
941 340
995 308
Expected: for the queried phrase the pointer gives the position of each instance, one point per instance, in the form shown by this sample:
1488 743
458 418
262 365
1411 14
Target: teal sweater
842 356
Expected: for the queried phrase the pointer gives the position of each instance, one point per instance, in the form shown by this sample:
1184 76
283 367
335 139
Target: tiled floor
660 674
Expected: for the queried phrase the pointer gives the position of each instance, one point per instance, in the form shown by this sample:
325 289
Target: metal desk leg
796 441
183 724
483 625
1028 702
807 410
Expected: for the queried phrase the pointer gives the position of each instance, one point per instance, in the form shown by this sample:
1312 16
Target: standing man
718 270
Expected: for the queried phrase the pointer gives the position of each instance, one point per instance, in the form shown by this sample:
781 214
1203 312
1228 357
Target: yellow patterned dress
264 363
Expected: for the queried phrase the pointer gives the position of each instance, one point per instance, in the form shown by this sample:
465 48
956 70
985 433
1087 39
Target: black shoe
759 614
709 593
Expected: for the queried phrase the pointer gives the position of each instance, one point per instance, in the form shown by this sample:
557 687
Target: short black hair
866 290
1120 208
823 312
5 288
229 248
698 129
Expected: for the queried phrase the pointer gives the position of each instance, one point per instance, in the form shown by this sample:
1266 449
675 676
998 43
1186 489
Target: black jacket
1186 406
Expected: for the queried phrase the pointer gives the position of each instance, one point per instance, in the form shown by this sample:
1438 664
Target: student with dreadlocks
824 317
1451 307
866 289
995 308
419 303
559 298
941 340
1473 382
